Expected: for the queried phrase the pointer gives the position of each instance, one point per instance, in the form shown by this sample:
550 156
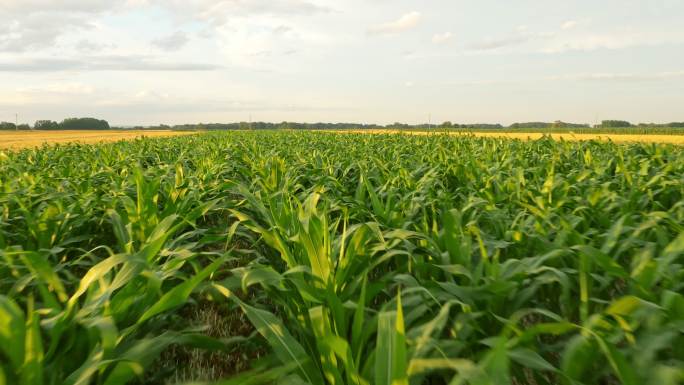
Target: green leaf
494 369
285 347
578 357
530 359
255 377
12 331
32 370
179 294
40 266
390 357
623 369
321 328
419 366
358 323
624 306
158 237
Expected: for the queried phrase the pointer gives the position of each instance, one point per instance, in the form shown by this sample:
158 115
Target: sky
369 61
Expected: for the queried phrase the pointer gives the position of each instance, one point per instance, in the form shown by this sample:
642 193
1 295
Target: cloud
88 46
521 36
272 7
37 30
442 37
621 77
282 30
100 63
219 12
150 95
402 24
73 88
570 24
82 6
611 41
598 77
173 42
38 24
494 44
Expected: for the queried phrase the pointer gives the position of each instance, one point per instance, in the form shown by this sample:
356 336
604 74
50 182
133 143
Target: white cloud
150 95
37 30
610 41
73 88
220 12
520 36
494 44
100 63
402 24
38 24
84 6
621 77
570 24
89 46
173 42
442 37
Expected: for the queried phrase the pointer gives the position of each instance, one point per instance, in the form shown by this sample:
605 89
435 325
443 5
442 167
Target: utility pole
16 121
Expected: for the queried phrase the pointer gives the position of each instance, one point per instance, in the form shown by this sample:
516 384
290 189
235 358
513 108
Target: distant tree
46 125
399 126
23 127
482 126
84 124
6 126
447 124
561 124
615 124
530 125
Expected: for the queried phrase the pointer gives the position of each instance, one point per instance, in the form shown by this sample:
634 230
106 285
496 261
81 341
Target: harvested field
26 139
618 138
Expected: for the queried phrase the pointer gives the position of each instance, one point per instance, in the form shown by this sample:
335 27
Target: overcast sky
380 61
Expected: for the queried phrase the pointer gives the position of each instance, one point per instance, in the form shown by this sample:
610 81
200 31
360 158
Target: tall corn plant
364 259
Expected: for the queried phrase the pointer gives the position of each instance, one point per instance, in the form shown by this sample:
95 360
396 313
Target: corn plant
354 259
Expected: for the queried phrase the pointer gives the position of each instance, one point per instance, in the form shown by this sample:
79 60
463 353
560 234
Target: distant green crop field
342 258
634 130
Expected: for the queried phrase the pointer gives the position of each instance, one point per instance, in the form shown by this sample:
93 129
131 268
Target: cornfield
343 259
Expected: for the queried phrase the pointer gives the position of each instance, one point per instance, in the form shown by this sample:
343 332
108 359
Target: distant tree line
98 124
614 124
7 126
72 124
447 124
315 126
556 124
403 126
264 126
66 124
673 124
626 124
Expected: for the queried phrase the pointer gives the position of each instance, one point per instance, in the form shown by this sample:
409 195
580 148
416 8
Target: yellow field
618 138
25 139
